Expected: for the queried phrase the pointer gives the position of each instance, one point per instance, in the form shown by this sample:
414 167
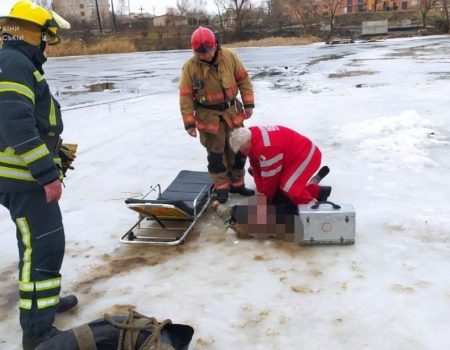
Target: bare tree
445 5
304 12
221 8
330 9
198 9
276 11
425 6
240 8
171 11
122 6
267 6
183 7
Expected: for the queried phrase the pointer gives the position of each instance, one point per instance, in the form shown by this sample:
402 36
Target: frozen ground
378 111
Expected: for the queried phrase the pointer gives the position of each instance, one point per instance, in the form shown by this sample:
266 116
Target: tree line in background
237 20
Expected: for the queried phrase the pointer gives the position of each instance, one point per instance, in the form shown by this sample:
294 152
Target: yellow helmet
48 20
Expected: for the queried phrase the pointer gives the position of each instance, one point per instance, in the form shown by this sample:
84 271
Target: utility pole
113 17
142 12
98 17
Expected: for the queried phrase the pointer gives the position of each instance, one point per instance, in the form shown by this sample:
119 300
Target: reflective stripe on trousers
40 236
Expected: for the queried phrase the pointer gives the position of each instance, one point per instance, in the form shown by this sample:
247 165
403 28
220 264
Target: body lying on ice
314 223
282 164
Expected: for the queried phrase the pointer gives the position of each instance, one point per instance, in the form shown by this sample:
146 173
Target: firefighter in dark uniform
30 169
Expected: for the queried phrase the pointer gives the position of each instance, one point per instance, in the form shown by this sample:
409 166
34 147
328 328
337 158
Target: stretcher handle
317 205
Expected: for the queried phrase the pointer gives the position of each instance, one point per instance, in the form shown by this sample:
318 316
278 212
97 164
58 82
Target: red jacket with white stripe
282 159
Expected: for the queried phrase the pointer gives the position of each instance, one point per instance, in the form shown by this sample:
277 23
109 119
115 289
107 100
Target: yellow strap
84 337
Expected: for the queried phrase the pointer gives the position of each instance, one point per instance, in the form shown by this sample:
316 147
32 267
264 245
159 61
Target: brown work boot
31 341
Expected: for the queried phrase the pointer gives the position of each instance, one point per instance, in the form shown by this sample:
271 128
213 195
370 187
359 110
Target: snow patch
424 228
391 142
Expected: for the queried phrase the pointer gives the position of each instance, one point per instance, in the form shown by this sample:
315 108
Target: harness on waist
221 107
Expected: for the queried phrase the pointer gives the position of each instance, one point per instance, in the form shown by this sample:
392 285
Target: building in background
82 10
169 20
353 6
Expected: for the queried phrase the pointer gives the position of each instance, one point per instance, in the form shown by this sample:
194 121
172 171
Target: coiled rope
135 323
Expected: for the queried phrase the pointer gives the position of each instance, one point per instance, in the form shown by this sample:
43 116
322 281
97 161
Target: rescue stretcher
168 219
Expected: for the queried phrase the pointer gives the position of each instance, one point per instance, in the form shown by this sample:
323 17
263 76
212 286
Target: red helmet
203 40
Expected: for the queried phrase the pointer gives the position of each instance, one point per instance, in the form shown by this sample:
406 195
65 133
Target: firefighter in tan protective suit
209 85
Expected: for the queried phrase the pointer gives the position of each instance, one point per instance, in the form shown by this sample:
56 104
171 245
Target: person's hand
248 113
53 191
192 132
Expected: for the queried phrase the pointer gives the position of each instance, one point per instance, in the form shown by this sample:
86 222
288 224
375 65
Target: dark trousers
284 206
225 167
41 242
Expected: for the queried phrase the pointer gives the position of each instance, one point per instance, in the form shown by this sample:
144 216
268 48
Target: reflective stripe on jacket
29 114
206 84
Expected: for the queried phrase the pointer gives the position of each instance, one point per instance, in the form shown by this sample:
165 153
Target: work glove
67 153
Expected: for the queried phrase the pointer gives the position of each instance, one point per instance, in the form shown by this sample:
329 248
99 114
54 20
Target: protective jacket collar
34 53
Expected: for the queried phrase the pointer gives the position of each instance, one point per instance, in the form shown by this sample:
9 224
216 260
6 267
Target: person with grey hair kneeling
282 164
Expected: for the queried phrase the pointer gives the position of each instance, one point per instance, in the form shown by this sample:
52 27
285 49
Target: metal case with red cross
325 223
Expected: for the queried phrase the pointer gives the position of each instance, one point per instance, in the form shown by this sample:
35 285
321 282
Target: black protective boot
324 193
221 196
66 303
243 191
320 175
323 172
31 341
